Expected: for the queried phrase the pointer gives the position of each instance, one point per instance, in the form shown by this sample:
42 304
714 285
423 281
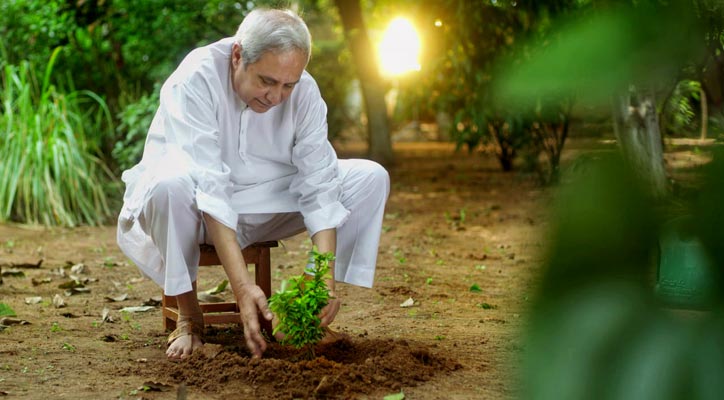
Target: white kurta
241 162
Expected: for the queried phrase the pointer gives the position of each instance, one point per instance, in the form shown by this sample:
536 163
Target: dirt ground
461 239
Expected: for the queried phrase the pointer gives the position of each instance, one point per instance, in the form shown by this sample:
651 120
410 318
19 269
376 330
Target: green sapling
298 304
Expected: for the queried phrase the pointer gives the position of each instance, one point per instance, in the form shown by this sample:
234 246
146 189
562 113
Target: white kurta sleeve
191 125
317 182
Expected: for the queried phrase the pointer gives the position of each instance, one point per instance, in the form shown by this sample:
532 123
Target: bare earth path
461 239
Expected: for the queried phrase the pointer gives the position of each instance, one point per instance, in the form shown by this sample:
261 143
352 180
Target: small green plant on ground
299 302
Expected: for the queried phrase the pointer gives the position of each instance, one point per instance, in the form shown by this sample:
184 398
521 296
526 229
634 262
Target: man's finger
252 344
263 307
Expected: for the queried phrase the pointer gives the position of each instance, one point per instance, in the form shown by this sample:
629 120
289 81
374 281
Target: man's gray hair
273 30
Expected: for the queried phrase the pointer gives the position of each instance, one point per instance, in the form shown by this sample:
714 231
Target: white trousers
175 225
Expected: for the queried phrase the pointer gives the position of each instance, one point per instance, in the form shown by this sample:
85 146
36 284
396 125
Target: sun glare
399 50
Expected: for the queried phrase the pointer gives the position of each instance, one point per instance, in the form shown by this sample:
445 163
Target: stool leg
167 303
262 276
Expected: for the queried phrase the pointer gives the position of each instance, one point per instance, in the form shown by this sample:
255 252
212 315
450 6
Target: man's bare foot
186 339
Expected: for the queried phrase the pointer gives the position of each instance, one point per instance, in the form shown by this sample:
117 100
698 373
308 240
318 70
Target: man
238 153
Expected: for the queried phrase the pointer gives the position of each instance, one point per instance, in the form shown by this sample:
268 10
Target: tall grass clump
49 170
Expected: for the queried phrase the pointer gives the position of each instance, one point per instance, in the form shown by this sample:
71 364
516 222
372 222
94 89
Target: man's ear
236 59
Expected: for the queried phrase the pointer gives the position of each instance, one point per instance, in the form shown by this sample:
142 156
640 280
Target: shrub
50 173
135 119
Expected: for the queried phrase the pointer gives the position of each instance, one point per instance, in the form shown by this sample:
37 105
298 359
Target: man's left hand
330 310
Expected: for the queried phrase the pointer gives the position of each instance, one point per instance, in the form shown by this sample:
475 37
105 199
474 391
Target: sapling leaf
475 288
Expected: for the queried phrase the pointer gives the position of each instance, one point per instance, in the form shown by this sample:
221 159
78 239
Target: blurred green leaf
601 52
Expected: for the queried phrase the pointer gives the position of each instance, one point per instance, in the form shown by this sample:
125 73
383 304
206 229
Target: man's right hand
252 302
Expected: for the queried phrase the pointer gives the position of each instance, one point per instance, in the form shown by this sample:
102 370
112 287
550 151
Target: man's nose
274 95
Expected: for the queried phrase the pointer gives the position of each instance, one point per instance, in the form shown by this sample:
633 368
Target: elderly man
238 153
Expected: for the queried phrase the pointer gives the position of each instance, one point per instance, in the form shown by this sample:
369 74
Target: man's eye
289 86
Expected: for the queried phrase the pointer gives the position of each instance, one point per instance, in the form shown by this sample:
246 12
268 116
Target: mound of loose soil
349 367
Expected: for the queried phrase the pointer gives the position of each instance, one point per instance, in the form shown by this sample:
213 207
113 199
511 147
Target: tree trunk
373 87
637 131
704 113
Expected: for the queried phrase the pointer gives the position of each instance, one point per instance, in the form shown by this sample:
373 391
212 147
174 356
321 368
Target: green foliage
299 302
547 126
644 43
681 108
32 29
596 328
332 69
464 40
50 173
135 119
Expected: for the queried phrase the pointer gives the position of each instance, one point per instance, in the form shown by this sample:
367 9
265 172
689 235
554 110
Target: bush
50 172
135 119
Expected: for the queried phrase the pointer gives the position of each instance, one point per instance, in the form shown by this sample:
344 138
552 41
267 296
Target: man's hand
330 310
252 302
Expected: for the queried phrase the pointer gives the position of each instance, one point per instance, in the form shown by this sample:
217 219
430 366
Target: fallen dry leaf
106 316
77 290
58 301
33 300
14 272
122 297
155 387
71 284
78 269
137 309
153 301
207 298
37 282
24 265
8 321
408 303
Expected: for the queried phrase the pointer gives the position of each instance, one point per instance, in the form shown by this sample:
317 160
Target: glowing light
438 23
399 50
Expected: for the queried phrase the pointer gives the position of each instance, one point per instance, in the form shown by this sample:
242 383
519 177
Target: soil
462 239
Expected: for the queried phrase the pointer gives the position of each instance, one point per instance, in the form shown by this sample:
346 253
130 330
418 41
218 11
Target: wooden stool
224 313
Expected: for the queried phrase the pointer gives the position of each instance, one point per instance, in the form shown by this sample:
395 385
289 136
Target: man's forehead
286 67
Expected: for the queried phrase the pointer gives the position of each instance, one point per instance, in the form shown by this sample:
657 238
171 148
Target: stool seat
257 254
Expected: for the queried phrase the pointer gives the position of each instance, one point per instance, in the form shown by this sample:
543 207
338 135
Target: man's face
269 81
